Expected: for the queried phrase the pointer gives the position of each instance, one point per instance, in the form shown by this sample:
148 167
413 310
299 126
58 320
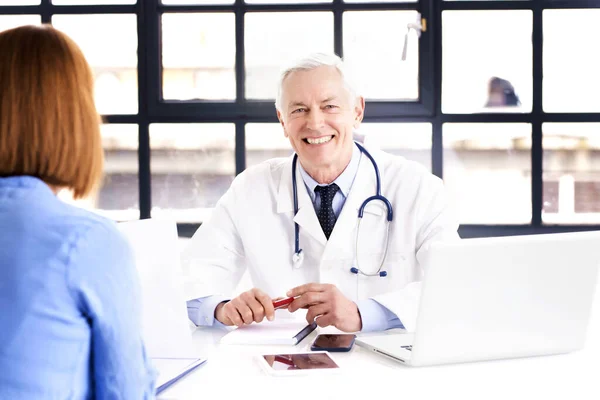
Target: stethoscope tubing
298 256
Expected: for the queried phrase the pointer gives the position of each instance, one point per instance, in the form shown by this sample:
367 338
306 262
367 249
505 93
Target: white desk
232 373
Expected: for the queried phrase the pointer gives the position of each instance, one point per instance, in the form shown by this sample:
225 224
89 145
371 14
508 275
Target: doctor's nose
315 120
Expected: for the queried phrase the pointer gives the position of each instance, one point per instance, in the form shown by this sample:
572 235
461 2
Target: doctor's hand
251 306
328 305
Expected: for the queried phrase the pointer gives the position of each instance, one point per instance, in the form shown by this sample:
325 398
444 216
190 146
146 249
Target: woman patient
69 301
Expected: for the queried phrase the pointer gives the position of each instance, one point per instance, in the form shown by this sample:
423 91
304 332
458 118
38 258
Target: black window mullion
145 175
240 53
240 85
437 145
46 11
152 34
338 27
91 9
427 62
341 5
537 117
487 5
559 4
148 44
240 147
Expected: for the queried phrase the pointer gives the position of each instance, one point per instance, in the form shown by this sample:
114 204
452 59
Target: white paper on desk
266 332
165 324
172 369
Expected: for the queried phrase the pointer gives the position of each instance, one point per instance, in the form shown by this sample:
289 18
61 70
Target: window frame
153 109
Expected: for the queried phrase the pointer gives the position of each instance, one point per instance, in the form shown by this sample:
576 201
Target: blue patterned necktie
326 215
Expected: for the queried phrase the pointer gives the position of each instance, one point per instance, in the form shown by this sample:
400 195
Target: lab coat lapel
341 242
306 217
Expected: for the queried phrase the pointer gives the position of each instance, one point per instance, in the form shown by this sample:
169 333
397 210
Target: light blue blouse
69 302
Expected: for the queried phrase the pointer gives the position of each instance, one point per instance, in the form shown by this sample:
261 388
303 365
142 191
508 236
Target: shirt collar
23 181
344 181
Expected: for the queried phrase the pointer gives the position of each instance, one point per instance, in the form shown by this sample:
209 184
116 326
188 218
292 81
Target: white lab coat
252 227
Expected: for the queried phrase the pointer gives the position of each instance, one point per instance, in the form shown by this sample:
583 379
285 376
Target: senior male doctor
364 282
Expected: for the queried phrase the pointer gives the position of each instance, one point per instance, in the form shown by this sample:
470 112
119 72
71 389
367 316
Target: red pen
283 303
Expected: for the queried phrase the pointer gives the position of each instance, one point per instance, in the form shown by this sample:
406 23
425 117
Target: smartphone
333 342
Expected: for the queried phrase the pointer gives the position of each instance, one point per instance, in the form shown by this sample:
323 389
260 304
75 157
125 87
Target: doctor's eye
330 106
298 110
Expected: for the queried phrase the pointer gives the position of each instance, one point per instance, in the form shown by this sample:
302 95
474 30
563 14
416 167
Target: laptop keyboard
409 348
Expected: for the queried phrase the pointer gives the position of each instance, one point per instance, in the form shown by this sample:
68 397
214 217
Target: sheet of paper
173 368
266 332
165 324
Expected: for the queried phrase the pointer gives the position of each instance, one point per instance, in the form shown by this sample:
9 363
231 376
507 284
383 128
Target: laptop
499 298
166 329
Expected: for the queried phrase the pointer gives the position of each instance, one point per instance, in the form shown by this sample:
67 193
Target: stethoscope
298 256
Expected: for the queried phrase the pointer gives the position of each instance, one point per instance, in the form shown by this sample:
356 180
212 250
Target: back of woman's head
49 126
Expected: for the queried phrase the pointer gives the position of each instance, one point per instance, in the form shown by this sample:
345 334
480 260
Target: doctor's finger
258 311
266 304
308 287
306 300
316 311
325 320
245 312
233 315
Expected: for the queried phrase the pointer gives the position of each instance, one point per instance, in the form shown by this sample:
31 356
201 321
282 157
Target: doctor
293 223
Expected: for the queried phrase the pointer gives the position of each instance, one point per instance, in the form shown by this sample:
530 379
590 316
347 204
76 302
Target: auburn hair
49 126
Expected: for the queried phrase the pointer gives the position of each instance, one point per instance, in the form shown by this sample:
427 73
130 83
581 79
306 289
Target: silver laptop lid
506 297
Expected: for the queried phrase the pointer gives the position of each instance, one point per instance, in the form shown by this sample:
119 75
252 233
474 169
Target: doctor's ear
359 111
280 118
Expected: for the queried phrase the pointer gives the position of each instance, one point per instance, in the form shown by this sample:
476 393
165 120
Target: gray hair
314 61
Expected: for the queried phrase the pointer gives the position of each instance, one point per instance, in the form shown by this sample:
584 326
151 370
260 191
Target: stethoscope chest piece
297 259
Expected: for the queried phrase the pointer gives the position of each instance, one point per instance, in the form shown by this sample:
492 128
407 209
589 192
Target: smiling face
318 114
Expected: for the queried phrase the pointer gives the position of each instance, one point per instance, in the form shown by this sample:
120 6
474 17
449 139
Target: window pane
368 38
192 165
109 43
571 173
198 56
265 141
12 21
19 2
409 140
90 2
267 53
487 172
487 61
120 191
118 198
570 66
198 1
